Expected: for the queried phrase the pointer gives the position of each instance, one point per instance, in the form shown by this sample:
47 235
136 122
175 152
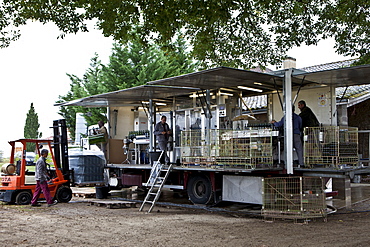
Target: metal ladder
156 183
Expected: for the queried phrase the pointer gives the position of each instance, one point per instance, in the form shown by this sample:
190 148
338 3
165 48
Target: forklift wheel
23 198
64 194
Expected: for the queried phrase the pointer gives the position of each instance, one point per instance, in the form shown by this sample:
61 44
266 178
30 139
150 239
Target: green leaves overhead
235 33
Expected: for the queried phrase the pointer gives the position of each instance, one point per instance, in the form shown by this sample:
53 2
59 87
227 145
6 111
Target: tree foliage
31 127
237 33
90 84
130 65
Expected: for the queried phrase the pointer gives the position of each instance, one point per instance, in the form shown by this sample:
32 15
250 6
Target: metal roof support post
151 129
109 130
333 106
208 115
108 116
173 128
269 107
288 121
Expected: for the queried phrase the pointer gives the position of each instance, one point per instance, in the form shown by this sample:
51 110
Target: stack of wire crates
294 198
245 149
331 146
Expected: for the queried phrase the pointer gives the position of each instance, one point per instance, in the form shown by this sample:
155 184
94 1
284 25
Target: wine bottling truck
220 149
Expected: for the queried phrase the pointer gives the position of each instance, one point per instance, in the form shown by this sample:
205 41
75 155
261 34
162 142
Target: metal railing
333 147
246 149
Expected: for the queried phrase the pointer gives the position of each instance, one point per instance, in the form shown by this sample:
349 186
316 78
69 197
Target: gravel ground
79 223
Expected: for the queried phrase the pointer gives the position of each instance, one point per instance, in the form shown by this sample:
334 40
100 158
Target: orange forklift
18 183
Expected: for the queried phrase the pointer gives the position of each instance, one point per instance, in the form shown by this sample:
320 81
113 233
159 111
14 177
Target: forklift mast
61 147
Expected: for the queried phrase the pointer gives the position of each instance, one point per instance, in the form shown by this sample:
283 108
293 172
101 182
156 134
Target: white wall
125 122
318 99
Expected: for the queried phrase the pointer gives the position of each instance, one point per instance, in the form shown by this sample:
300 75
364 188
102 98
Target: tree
136 64
130 65
90 84
235 33
31 128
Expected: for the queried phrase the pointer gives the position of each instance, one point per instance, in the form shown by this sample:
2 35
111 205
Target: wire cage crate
195 150
331 146
246 149
296 198
364 147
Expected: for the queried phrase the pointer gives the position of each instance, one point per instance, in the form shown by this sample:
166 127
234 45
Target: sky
34 70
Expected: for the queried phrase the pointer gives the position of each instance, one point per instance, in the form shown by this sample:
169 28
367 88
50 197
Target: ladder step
154 185
156 181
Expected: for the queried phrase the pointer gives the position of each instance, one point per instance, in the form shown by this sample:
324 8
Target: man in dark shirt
162 131
308 117
297 143
41 177
311 135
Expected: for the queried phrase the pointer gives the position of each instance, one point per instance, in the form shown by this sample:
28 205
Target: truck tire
23 198
64 194
200 189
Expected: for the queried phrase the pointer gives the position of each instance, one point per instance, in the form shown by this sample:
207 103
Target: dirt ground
79 223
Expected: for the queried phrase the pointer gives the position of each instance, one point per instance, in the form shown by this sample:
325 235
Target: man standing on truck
308 117
309 120
162 131
297 143
41 176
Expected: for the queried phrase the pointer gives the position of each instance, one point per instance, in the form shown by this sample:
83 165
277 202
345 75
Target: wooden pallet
114 204
84 194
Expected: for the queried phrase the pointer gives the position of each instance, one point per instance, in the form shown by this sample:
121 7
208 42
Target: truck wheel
64 194
199 189
23 198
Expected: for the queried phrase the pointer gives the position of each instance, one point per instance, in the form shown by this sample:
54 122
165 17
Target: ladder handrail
156 182
159 188
157 164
